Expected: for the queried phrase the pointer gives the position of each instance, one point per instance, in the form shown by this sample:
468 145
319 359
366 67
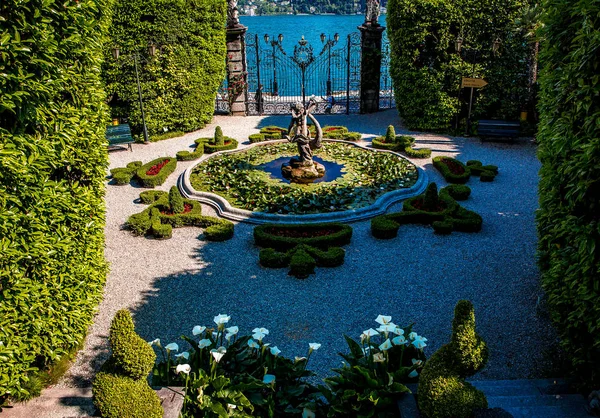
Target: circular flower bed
367 175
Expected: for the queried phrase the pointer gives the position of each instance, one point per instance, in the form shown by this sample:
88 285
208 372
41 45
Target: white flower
307 413
155 342
232 330
378 358
268 379
383 320
366 350
218 353
231 406
185 355
399 340
398 331
204 343
413 335
198 330
258 335
261 330
419 342
368 334
221 319
414 373
416 362
386 345
183 368
275 351
298 359
252 343
172 347
391 327
314 346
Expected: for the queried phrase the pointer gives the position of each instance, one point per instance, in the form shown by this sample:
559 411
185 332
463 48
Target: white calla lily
155 342
378 358
314 346
399 340
268 379
221 319
252 343
414 373
185 355
204 343
368 334
183 368
218 353
307 413
383 319
413 335
172 347
386 345
275 351
197 330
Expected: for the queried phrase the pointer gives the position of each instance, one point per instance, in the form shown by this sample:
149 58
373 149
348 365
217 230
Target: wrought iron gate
386 89
277 79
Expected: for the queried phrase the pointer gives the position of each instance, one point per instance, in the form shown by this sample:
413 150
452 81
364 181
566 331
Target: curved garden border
224 208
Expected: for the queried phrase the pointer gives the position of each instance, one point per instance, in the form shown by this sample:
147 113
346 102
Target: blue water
333 170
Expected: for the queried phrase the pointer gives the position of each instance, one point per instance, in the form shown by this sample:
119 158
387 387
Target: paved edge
225 210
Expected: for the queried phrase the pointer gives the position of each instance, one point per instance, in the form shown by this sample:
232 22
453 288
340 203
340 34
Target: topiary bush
458 191
121 389
218 138
180 82
443 391
390 135
431 199
486 173
220 142
156 172
254 138
159 219
417 153
53 163
453 170
569 144
176 200
194 155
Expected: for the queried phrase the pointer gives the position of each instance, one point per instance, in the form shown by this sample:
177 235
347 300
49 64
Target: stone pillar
236 68
370 66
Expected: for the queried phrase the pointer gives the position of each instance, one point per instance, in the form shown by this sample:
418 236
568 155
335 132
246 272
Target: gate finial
233 15
372 13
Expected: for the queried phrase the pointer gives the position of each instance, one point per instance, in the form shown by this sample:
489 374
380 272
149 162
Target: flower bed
155 172
155 169
402 143
329 132
194 155
453 170
368 175
123 175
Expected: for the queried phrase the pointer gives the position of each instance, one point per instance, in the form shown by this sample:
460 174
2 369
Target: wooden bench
119 135
498 129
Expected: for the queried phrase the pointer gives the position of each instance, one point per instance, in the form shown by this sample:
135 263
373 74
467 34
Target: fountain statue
372 13
302 168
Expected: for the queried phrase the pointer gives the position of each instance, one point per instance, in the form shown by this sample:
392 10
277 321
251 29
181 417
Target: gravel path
172 285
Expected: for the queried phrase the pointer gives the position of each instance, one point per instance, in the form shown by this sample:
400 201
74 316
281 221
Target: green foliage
218 138
53 164
228 144
180 82
301 263
458 191
486 173
426 70
166 135
445 216
120 388
158 219
453 170
569 144
254 138
123 175
390 134
443 391
431 200
176 200
417 153
153 180
273 132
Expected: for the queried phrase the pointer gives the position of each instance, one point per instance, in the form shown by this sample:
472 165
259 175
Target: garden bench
498 129
119 135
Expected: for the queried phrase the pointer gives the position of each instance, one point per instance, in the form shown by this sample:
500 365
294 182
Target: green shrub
264 235
353 136
302 264
302 259
226 143
151 181
219 231
189 156
166 135
268 257
180 82
53 163
382 227
254 138
444 164
443 227
380 143
148 197
569 144
417 153
431 199
176 200
426 70
218 138
487 176
404 141
390 134
443 391
458 191
477 168
123 175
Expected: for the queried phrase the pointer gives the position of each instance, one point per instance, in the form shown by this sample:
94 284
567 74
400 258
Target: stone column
236 67
370 68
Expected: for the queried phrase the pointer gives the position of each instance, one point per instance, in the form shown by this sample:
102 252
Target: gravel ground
172 285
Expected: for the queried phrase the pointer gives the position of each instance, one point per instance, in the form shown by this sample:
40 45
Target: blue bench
498 129
119 135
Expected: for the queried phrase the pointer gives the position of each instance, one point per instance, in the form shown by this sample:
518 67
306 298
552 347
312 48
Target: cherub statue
233 15
301 133
372 12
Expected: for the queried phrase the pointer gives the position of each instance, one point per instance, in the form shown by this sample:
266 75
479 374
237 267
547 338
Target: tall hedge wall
180 83
569 215
52 168
426 69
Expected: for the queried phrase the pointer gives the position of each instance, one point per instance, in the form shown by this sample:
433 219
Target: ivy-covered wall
426 69
569 149
52 166
180 82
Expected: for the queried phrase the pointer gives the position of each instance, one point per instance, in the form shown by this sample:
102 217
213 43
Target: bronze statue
233 15
372 12
301 135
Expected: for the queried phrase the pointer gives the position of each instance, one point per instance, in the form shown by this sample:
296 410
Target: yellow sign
473 82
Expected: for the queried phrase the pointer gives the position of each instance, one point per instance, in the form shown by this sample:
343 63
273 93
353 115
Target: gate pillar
236 61
370 70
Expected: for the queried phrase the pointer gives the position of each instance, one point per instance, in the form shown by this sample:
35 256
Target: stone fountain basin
227 211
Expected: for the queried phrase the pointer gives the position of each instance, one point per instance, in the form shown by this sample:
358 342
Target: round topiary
390 135
302 264
120 396
431 200
176 200
218 139
132 355
487 176
458 191
384 228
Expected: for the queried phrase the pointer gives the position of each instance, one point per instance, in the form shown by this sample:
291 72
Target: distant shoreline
304 14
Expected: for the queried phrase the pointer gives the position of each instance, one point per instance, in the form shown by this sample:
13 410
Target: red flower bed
294 233
332 129
186 208
418 204
454 168
155 169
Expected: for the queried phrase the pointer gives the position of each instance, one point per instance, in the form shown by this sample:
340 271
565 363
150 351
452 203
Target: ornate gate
386 90
277 79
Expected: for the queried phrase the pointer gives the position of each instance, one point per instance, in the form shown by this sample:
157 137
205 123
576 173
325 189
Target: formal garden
346 265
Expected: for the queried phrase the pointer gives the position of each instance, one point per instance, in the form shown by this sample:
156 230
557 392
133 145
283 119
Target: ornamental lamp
266 37
496 45
280 37
115 52
152 49
458 44
322 37
336 37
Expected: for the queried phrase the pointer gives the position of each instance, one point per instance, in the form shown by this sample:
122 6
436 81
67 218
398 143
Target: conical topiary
390 135
431 199
219 140
176 200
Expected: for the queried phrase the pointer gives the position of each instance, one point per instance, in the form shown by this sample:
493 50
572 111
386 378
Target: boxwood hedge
569 150
273 235
453 170
52 123
149 180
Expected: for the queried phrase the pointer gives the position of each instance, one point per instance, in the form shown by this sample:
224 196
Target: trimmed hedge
486 173
158 179
426 69
302 259
403 143
264 236
180 82
194 155
121 389
458 191
417 153
123 175
273 132
451 217
166 135
254 138
443 391
441 163
53 163
569 150
153 222
229 143
329 132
